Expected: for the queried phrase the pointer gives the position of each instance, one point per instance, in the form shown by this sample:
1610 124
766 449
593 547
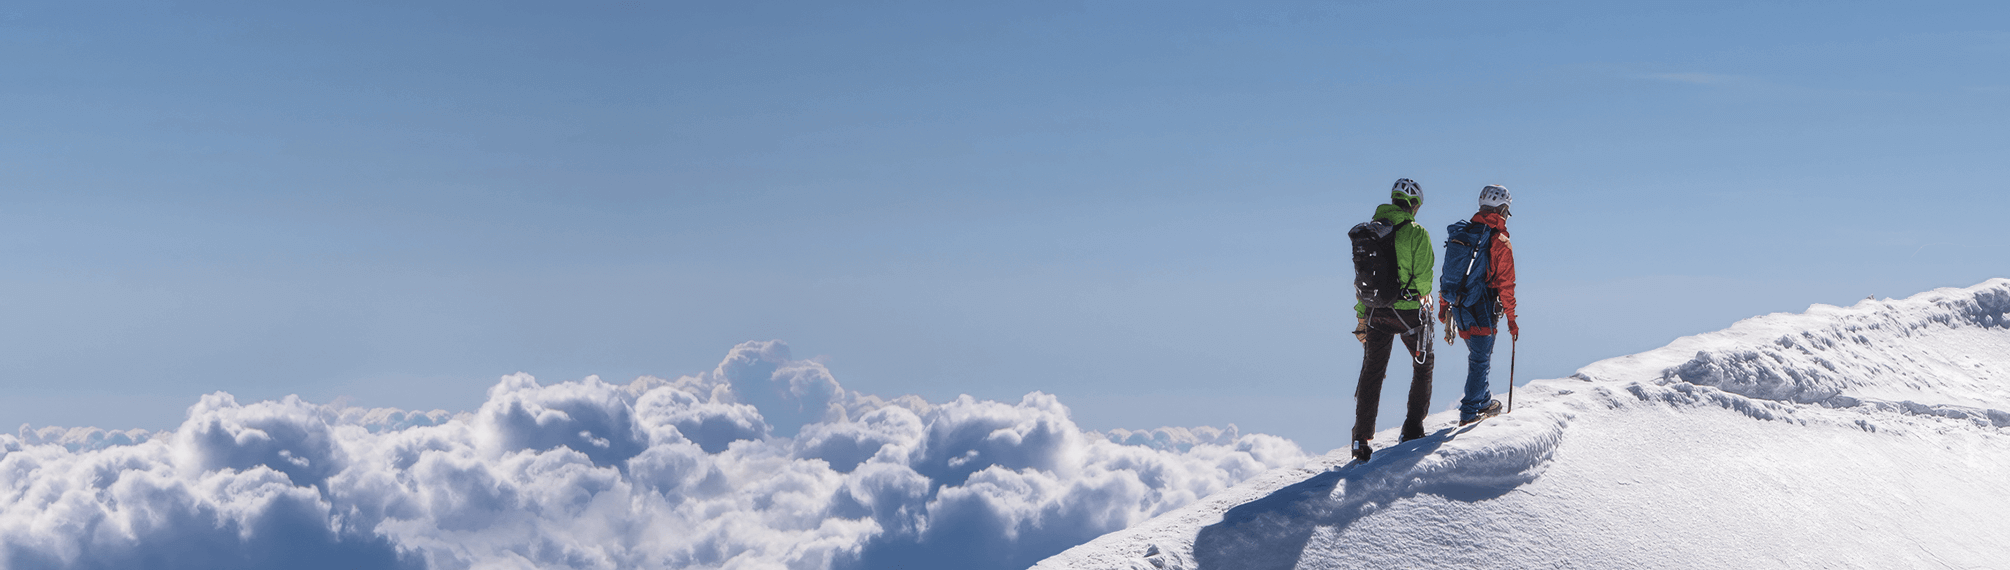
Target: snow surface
1870 436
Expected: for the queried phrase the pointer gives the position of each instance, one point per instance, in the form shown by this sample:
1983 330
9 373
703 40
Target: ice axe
1513 342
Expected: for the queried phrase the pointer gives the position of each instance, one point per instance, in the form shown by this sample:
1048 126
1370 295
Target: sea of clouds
764 462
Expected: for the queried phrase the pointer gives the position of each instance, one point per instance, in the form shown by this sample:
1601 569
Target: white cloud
763 462
82 438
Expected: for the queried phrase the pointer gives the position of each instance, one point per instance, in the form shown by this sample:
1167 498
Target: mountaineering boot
1410 436
1362 451
1493 409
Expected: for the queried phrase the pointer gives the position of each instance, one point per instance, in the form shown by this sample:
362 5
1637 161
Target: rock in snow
1870 436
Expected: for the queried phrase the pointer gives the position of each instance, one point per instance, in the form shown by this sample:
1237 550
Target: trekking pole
1512 342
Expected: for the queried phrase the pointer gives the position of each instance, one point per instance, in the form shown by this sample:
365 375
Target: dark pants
1479 358
1384 325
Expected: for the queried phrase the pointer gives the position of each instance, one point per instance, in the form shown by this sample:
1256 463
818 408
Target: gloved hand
1514 330
1361 330
1445 316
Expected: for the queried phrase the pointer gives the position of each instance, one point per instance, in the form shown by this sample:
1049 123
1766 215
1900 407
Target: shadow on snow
1271 532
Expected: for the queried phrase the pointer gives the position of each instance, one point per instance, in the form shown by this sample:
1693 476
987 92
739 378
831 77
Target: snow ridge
1929 355
1866 436
1834 352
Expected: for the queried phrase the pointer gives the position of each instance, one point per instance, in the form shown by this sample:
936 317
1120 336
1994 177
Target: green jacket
1414 256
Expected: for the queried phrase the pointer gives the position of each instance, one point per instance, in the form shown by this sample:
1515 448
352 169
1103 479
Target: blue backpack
1464 278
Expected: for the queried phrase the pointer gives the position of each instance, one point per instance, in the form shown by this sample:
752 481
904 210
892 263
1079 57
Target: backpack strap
1393 228
1408 293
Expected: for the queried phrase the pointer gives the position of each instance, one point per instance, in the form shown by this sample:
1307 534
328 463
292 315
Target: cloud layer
764 462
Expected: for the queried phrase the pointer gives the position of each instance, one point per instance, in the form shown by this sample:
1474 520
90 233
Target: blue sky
1137 206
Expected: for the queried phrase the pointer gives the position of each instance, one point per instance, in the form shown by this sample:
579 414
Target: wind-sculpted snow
764 462
1871 436
1929 354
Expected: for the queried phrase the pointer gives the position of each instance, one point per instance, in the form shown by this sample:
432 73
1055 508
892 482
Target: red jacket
1500 274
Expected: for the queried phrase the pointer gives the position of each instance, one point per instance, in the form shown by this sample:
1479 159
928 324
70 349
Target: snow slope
1870 436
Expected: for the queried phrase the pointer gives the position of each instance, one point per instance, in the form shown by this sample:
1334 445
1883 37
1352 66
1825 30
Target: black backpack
1375 281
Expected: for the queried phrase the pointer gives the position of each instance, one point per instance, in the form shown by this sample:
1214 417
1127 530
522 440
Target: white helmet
1407 187
1495 196
1406 193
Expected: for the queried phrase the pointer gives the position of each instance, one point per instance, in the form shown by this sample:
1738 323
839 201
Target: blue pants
1479 358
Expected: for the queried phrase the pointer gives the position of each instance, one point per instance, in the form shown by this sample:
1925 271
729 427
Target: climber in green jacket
1415 256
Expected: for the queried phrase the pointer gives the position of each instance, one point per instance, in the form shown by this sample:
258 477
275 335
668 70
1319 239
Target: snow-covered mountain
1870 436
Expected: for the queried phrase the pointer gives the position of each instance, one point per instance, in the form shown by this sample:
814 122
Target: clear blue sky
1138 206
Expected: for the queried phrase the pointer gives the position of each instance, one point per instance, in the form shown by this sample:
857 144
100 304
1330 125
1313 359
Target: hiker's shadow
1271 533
